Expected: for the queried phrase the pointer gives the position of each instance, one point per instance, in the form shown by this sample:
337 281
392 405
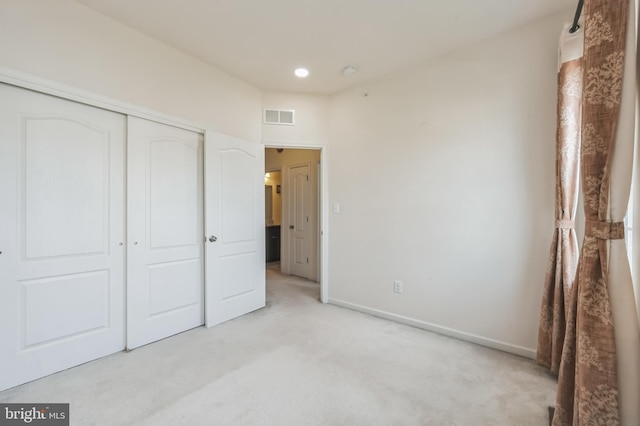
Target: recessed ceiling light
301 72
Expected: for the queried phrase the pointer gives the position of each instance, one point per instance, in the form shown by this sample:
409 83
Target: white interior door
165 231
235 248
300 226
61 233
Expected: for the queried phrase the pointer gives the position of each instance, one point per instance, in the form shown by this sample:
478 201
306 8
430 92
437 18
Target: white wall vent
285 117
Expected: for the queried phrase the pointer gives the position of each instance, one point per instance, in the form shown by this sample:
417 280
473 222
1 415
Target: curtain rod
575 27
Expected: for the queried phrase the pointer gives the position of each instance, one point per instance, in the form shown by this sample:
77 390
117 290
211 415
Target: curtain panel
599 371
563 255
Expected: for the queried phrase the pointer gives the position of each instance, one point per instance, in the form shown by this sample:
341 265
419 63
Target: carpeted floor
298 362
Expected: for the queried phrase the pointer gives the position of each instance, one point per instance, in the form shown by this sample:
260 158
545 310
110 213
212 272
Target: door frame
323 218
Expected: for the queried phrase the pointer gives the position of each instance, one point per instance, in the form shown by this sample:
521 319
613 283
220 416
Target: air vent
280 116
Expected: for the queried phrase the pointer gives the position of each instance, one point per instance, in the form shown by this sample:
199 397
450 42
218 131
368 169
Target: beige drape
599 373
563 256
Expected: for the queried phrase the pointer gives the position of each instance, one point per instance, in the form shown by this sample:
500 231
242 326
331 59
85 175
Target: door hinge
307 260
307 219
307 178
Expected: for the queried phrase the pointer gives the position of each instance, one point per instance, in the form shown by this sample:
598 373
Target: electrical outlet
397 287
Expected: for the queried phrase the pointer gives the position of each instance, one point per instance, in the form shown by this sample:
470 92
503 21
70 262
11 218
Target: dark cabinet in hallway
273 243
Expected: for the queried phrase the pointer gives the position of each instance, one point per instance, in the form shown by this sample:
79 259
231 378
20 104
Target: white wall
312 119
444 172
445 178
69 43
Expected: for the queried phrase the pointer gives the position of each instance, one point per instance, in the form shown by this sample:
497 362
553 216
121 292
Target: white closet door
235 248
61 228
165 231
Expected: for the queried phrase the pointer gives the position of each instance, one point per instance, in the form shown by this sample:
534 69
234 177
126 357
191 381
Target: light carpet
299 362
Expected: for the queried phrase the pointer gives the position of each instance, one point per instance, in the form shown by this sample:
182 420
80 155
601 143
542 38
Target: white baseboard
461 335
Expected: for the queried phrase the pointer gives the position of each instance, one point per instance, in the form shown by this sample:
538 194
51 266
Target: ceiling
262 41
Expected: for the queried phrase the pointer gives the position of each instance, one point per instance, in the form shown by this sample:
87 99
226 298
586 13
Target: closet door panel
62 228
60 150
235 259
165 231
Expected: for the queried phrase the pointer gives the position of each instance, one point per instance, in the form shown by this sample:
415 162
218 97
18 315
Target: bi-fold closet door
62 224
165 236
103 219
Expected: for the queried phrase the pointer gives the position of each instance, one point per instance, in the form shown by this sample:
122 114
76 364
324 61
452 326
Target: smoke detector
349 71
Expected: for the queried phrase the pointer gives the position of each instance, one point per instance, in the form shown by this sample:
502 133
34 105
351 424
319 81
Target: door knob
213 239
290 226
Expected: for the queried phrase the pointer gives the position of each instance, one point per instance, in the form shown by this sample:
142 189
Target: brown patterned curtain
563 256
599 376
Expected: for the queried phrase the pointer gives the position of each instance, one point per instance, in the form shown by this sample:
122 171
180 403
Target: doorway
293 207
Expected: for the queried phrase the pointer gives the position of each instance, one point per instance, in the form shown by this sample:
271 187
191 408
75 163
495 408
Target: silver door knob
213 239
